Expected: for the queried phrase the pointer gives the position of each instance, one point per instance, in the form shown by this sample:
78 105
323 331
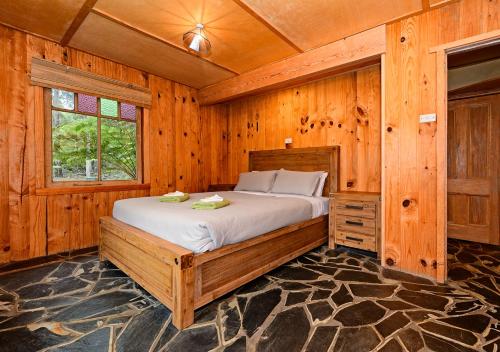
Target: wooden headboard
300 159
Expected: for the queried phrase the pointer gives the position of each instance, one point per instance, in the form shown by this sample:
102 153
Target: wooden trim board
476 40
441 165
46 191
382 146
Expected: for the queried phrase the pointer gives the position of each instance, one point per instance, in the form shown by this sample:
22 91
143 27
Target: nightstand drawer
355 208
355 220
357 240
356 224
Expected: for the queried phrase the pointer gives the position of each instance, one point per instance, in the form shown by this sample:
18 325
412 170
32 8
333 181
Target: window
92 139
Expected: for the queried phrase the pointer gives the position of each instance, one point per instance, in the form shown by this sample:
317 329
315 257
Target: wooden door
473 169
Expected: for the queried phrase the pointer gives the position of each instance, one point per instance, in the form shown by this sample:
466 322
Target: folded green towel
174 199
210 205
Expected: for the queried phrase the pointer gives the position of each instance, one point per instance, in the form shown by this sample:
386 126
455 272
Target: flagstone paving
326 300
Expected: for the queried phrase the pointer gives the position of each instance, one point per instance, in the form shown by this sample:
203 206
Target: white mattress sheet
248 216
320 205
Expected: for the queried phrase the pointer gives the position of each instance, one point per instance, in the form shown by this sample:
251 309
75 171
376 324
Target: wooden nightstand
221 187
355 220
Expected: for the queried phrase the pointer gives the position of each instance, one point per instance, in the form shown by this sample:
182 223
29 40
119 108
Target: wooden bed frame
184 281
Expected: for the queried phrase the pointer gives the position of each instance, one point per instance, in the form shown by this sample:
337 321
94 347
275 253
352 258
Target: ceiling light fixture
196 41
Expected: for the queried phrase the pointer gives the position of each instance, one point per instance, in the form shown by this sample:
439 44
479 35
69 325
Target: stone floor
325 300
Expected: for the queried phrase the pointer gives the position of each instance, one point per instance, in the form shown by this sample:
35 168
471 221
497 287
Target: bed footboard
164 269
183 281
231 266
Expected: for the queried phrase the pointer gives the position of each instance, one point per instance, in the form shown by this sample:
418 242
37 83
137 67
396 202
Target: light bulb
195 43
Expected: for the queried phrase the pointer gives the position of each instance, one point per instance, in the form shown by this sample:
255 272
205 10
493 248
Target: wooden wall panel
342 110
14 200
33 225
218 138
410 147
214 146
161 136
187 137
5 50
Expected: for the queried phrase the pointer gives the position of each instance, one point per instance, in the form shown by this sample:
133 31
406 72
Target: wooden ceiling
240 41
49 18
327 21
245 34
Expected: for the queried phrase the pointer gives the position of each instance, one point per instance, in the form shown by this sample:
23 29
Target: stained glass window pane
63 100
127 111
118 150
87 103
109 107
74 147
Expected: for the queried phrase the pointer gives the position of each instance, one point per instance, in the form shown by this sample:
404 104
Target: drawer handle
351 206
355 223
354 239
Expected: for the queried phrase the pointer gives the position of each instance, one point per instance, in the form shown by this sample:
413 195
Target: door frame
441 53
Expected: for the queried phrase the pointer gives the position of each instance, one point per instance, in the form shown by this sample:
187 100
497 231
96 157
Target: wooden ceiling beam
273 29
77 21
336 57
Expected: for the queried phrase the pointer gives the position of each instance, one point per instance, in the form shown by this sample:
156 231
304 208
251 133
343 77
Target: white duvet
249 215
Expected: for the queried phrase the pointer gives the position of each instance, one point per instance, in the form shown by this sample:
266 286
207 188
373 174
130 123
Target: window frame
48 108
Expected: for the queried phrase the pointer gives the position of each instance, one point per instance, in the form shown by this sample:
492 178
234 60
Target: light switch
425 118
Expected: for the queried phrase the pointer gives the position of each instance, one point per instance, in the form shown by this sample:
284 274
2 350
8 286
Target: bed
184 278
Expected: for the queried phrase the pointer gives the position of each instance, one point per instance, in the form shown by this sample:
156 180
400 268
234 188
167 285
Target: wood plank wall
202 143
410 148
342 110
34 225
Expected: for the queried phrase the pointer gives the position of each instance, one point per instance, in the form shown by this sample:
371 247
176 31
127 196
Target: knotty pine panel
161 137
343 110
410 148
73 219
32 225
14 200
214 158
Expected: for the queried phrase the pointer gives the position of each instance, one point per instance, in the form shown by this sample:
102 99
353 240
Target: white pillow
261 181
296 182
321 184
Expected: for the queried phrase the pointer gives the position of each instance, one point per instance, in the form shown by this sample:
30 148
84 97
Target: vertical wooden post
183 300
101 256
441 155
381 254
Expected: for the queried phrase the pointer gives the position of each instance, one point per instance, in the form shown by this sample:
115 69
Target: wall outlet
288 140
426 118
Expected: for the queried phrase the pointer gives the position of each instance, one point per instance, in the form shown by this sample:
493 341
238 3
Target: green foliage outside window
118 150
75 147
